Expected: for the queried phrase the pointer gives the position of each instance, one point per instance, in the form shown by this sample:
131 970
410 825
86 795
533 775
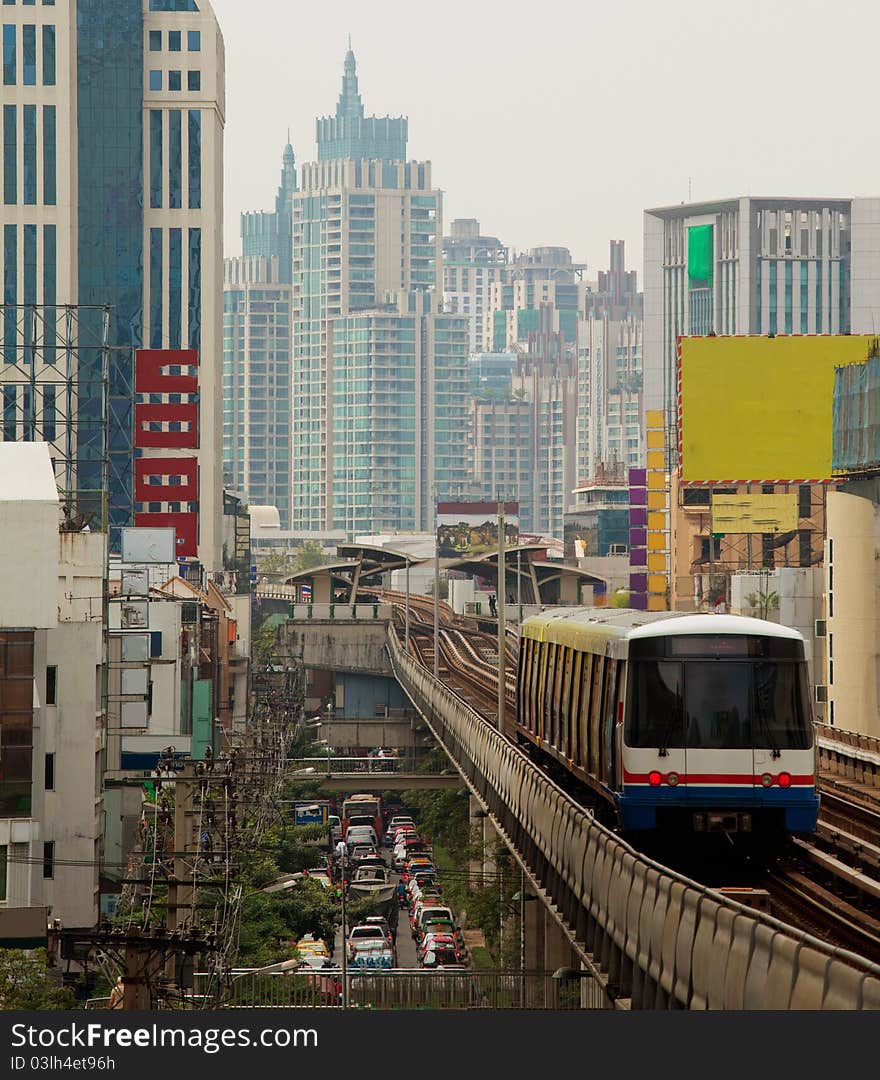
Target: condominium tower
376 402
257 299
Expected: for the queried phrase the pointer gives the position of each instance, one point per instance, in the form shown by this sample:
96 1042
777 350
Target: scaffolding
54 385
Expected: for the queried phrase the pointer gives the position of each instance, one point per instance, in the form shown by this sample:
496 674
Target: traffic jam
379 856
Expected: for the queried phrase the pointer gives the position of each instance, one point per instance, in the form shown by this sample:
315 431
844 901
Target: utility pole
502 642
436 588
342 865
406 633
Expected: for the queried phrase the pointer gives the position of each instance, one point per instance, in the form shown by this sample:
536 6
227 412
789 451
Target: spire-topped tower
349 104
349 134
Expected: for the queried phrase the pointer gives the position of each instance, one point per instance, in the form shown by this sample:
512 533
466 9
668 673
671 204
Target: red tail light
784 779
654 778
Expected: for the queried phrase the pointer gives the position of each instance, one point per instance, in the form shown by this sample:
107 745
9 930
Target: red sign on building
167 418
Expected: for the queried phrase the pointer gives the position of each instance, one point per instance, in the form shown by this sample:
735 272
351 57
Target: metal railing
351 766
418 989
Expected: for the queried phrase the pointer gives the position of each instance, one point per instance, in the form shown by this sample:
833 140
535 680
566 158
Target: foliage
763 602
25 982
620 598
263 644
281 563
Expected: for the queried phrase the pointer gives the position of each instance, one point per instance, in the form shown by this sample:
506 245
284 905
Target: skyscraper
471 262
112 160
367 242
257 300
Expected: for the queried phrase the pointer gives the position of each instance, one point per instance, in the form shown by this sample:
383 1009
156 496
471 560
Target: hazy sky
559 122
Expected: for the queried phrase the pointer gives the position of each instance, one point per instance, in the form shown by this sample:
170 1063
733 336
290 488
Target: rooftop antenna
690 179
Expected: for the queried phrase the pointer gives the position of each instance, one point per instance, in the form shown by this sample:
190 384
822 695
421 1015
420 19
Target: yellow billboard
754 513
758 409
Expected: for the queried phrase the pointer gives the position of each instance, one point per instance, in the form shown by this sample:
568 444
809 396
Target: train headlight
784 779
672 778
766 779
655 778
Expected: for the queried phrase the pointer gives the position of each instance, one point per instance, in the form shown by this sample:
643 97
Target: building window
175 193
155 41
10 159
194 40
155 80
9 56
155 159
10 293
193 80
29 54
49 859
155 288
174 41
51 684
175 286
4 859
194 307
48 56
29 172
49 773
195 159
48 159
174 82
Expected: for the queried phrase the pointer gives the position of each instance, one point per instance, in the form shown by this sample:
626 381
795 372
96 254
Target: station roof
377 560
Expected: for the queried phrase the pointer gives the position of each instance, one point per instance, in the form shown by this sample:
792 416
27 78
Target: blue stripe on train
638 804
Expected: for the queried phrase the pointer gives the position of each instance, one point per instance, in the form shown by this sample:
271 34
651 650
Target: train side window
571 715
525 691
545 682
565 702
546 717
534 665
596 713
584 710
556 708
522 681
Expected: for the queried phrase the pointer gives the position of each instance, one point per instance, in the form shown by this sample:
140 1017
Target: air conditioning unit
821 694
821 628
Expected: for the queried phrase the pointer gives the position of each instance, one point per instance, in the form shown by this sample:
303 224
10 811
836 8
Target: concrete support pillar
557 948
534 912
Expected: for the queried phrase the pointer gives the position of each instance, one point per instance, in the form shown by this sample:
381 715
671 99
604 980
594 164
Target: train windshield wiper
662 749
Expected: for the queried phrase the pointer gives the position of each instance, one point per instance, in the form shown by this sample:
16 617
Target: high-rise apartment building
113 121
366 241
471 262
756 266
543 278
257 339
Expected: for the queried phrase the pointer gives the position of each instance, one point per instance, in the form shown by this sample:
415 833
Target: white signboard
135 647
135 582
133 714
148 546
134 681
134 615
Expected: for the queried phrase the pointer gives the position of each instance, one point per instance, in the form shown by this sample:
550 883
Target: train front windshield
718 693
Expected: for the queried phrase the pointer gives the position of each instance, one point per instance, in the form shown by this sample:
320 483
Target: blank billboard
757 409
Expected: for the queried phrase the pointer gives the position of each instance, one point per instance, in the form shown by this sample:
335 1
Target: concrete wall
337 646
852 611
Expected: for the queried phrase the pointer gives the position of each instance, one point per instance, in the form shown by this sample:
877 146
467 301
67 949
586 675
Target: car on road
364 932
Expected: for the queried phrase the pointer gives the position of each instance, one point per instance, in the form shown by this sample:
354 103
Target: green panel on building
202 718
526 320
701 256
499 331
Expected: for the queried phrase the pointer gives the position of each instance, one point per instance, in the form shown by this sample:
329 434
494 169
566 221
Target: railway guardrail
654 939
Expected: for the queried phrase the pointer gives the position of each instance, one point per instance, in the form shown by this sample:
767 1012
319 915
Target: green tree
25 982
309 555
620 598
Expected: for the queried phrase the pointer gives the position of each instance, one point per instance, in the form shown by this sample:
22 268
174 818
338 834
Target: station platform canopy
542 581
